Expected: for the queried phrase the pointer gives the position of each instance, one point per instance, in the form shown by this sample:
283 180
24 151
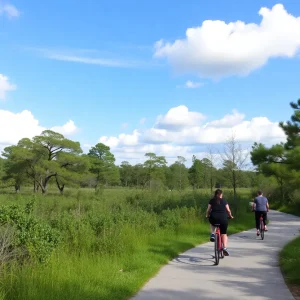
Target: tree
292 127
49 155
20 163
234 161
140 175
196 173
178 174
210 169
272 162
102 165
282 161
60 159
154 165
126 173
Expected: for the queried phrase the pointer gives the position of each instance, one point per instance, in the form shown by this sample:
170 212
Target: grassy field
290 266
289 256
110 242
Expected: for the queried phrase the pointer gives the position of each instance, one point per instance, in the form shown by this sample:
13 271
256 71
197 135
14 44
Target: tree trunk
60 187
17 188
234 191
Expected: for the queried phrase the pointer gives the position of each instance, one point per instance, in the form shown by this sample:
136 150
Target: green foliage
292 127
43 158
36 239
177 175
108 248
281 161
290 262
102 165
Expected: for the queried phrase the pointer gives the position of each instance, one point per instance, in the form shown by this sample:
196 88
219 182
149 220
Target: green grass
112 243
290 262
290 209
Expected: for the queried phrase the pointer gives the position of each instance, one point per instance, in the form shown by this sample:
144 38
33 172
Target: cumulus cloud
9 10
178 118
5 86
122 140
216 49
228 120
67 129
181 132
24 124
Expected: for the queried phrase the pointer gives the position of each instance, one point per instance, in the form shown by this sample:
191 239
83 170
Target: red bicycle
262 227
218 245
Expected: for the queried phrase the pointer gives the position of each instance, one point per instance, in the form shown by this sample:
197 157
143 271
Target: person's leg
265 220
224 237
212 229
224 240
257 217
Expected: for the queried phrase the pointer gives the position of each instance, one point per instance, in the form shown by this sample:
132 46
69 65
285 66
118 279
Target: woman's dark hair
218 192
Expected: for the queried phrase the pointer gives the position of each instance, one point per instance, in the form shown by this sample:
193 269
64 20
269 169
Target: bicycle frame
262 227
218 245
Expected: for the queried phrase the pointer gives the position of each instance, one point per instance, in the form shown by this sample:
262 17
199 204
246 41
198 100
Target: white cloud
9 10
90 57
91 61
15 126
228 120
18 126
192 85
122 140
5 86
67 129
216 49
181 132
178 118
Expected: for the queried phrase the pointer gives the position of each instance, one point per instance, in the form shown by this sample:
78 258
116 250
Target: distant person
261 207
218 211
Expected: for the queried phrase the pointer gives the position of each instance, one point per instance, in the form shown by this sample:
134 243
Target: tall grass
290 262
111 241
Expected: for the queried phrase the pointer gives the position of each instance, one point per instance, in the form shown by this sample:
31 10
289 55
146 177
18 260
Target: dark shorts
223 223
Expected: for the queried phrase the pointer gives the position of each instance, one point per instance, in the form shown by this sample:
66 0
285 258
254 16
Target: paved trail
250 272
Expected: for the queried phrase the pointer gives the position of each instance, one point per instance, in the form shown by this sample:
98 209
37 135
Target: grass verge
290 265
111 246
107 277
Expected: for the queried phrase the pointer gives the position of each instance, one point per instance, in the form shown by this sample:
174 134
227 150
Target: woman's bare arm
229 211
208 210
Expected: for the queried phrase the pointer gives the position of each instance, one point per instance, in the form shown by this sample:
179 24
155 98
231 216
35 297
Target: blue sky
93 62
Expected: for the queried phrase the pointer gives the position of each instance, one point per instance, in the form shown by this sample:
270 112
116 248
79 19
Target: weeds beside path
111 246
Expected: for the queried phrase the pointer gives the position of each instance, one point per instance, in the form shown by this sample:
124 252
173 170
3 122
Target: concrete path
250 272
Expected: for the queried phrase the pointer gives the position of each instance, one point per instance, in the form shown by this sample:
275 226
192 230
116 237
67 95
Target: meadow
99 245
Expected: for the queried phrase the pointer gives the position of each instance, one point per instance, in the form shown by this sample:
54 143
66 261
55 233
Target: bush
29 235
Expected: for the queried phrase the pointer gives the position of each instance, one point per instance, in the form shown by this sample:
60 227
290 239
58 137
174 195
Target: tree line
282 161
52 159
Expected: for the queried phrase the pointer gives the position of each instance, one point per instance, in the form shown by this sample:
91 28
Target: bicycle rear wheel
217 249
221 253
262 229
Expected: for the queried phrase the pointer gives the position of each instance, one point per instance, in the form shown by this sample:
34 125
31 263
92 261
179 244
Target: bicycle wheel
262 229
216 249
221 253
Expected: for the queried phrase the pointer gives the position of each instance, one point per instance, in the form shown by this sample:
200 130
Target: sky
171 77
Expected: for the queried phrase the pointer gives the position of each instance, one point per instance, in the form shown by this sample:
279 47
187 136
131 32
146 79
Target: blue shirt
261 203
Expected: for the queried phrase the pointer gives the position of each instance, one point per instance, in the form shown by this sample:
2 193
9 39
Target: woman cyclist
218 211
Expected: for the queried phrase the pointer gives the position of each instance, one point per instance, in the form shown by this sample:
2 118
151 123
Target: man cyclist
218 211
261 205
